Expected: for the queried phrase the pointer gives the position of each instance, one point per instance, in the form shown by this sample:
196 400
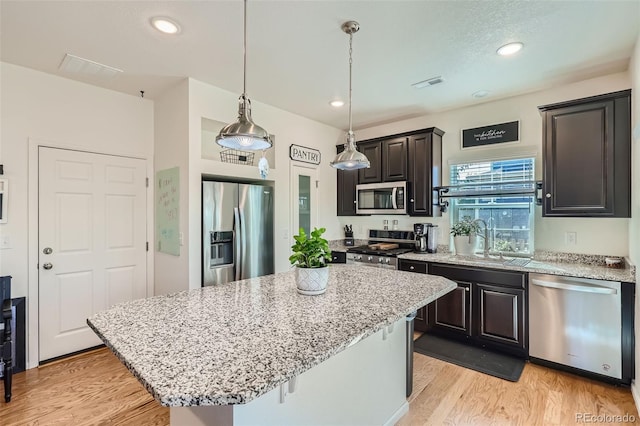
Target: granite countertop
231 343
565 264
565 268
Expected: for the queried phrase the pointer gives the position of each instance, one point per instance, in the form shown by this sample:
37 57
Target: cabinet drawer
471 274
412 266
338 257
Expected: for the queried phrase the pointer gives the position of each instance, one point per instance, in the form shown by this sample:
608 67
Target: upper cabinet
394 159
373 151
587 157
415 157
347 181
424 171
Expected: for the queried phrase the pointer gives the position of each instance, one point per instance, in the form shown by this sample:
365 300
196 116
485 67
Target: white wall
63 113
634 226
205 101
171 123
549 232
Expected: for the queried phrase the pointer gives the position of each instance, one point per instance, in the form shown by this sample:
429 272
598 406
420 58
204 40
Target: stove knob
380 260
370 258
359 257
387 261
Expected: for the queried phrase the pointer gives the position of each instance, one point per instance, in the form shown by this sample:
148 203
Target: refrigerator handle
237 232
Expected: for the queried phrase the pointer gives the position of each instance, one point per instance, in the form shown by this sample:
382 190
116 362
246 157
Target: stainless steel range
383 249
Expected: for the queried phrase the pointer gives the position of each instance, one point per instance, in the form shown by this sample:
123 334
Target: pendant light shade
350 158
244 134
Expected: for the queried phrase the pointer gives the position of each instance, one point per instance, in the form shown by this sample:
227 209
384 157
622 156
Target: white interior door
304 198
92 242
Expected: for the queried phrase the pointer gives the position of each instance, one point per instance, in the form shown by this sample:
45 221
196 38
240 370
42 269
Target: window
509 216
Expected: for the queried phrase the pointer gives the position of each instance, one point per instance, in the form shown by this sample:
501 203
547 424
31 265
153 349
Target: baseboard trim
636 394
395 418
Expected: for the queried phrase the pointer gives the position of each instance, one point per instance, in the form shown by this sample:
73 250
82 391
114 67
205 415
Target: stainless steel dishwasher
576 322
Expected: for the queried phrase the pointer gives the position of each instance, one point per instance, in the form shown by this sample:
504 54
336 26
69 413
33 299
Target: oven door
381 198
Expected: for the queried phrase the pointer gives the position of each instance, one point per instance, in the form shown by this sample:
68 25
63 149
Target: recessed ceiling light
509 49
336 103
165 25
480 94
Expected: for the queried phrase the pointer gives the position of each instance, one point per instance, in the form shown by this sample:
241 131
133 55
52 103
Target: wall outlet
571 238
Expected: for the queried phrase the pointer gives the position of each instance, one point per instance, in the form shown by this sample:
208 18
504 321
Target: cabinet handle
412 268
466 289
548 195
411 200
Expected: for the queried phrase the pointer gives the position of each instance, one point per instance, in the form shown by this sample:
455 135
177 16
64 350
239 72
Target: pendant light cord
350 72
244 51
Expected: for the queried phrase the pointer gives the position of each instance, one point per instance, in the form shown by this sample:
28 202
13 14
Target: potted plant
310 256
465 236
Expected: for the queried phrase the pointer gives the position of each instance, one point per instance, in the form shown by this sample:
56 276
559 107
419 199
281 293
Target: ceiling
298 56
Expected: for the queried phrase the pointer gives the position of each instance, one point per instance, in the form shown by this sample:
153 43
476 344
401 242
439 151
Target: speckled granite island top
231 343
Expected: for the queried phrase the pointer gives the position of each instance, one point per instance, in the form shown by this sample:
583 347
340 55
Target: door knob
47 250
548 195
47 266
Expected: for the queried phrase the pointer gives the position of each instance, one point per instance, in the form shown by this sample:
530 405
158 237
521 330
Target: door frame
32 326
293 196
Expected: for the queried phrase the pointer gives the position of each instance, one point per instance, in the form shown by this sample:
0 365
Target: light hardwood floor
96 389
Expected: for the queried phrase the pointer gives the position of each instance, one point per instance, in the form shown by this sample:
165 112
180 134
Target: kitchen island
256 351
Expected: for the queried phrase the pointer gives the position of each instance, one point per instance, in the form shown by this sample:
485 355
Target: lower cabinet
338 257
487 308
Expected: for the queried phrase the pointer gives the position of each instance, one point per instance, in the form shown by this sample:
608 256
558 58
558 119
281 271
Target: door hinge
147 245
147 182
316 184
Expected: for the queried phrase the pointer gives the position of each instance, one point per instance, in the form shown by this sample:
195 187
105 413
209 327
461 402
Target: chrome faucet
486 237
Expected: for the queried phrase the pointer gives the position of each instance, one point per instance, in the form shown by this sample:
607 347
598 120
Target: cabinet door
394 159
420 323
500 312
451 313
586 151
424 172
338 257
373 151
346 190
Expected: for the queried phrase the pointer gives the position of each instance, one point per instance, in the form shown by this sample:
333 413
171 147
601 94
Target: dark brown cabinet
421 321
587 157
373 152
338 257
451 313
414 157
346 190
394 159
500 314
424 171
488 308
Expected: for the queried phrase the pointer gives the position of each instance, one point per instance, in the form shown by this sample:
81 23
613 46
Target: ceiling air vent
78 65
428 83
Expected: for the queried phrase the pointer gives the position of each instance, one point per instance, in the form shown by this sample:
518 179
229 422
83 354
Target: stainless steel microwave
381 198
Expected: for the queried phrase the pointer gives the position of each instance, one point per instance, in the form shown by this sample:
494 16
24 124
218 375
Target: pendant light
244 133
350 158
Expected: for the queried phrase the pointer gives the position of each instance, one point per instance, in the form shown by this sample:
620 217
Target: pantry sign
304 154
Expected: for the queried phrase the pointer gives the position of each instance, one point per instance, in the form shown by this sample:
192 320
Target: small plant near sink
465 236
310 256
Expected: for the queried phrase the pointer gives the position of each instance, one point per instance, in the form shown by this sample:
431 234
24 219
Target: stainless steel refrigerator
237 231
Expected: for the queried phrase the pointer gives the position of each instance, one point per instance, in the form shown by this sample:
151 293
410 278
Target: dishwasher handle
585 288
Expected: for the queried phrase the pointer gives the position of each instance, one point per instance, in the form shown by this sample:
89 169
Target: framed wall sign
492 134
304 154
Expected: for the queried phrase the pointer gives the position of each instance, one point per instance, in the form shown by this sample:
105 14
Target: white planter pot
465 245
312 281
